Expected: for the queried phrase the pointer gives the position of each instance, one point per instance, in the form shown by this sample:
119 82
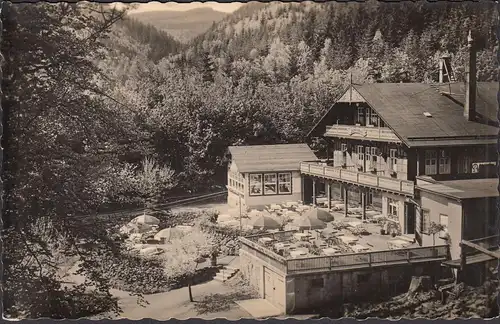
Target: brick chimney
471 82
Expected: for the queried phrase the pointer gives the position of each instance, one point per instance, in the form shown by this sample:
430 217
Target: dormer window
393 160
444 162
464 163
373 118
430 162
361 116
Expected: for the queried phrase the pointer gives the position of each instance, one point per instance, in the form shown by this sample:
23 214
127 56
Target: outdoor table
291 213
301 236
320 243
321 200
275 207
281 245
265 240
360 248
397 244
330 251
339 206
301 208
298 253
349 239
354 224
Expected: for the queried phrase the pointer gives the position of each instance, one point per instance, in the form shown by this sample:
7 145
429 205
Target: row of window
367 116
442 163
270 184
436 161
368 157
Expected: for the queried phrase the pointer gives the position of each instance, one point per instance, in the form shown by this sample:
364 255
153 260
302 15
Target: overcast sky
157 6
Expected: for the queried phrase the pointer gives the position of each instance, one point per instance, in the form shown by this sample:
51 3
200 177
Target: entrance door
268 286
274 288
409 218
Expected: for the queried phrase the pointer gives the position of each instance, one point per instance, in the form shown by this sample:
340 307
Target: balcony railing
352 131
371 180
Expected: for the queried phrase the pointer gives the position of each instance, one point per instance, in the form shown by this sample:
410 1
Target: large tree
62 139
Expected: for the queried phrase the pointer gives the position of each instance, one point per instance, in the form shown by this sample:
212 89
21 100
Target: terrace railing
352 131
341 261
367 259
314 168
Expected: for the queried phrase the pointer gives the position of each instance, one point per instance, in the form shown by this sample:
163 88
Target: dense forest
267 72
89 92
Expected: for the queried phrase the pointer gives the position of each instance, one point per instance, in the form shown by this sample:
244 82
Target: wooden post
363 204
329 194
314 193
328 152
303 187
346 199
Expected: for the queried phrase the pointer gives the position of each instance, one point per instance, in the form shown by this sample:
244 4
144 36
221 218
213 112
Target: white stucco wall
453 209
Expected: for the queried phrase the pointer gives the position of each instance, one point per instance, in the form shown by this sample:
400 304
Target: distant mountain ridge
182 25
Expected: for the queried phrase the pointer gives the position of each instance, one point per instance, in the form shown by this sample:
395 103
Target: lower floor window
255 184
464 163
284 183
392 208
270 184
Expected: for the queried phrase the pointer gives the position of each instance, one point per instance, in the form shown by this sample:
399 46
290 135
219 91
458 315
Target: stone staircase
225 273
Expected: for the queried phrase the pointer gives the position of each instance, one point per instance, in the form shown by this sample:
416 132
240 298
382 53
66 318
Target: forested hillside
267 72
403 35
88 95
182 25
160 44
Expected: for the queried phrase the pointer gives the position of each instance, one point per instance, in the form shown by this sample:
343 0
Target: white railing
316 169
380 133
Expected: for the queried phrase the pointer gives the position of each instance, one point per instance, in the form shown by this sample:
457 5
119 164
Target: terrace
295 252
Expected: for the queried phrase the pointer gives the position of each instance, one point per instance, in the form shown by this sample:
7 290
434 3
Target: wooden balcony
404 187
383 134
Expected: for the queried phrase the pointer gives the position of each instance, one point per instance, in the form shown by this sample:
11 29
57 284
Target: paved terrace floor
374 241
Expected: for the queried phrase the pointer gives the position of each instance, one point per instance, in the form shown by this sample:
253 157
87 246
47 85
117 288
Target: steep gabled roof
402 107
264 158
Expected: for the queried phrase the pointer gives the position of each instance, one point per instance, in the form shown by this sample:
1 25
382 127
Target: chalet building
423 155
259 175
419 153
